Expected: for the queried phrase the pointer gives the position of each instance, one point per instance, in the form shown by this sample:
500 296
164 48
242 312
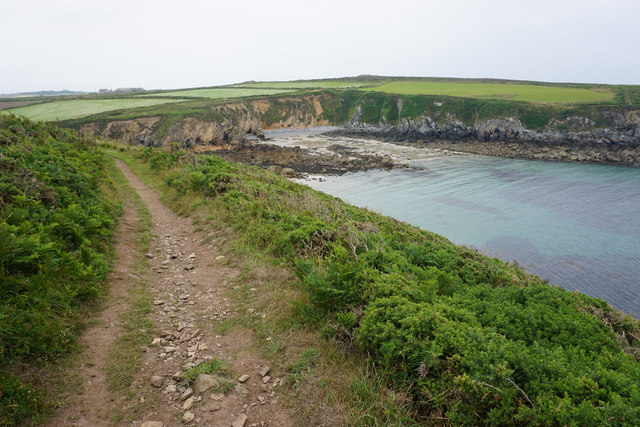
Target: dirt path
188 280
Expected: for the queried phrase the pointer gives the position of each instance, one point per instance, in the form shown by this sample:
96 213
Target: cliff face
220 125
135 132
574 138
573 129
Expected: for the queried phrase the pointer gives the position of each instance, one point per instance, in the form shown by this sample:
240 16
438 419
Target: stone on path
188 404
264 371
204 382
188 417
243 378
156 380
241 390
212 406
152 424
187 394
240 421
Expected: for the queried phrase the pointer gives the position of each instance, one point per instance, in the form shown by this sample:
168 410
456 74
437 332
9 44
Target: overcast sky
92 44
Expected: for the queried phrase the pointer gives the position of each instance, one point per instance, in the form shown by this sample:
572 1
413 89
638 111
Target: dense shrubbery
472 339
54 229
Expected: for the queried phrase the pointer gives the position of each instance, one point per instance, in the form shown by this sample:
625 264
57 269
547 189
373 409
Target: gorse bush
469 339
54 227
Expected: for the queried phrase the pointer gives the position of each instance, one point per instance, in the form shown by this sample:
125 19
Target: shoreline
587 152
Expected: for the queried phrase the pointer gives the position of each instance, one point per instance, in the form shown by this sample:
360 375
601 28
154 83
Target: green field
219 93
308 84
517 92
64 110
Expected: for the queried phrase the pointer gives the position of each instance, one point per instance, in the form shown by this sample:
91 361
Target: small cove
576 225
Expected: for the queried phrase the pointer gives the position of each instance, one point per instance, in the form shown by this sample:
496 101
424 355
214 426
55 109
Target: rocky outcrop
573 139
226 124
138 131
626 130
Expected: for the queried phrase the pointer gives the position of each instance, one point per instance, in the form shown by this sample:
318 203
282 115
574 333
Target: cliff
597 133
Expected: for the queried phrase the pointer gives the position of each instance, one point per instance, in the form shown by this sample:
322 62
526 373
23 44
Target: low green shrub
55 223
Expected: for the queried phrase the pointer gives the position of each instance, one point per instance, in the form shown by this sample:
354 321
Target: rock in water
204 382
288 172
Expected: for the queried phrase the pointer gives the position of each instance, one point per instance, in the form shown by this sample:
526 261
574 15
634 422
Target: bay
575 225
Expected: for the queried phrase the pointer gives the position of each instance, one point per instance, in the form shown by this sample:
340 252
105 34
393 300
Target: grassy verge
451 336
57 215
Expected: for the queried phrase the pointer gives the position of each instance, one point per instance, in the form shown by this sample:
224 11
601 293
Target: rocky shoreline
297 161
622 152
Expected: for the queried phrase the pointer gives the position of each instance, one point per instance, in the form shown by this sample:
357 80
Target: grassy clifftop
378 106
467 99
464 338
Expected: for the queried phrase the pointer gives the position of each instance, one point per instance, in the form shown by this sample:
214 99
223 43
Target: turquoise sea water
577 225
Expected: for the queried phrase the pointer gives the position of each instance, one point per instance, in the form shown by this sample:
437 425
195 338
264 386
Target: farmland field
63 110
517 92
219 93
5 105
308 84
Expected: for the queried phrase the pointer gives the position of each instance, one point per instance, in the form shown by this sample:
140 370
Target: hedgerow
472 340
55 223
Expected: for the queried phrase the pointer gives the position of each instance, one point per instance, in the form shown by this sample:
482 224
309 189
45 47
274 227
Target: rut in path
188 280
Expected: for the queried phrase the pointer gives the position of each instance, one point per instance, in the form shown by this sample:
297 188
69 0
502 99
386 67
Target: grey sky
92 44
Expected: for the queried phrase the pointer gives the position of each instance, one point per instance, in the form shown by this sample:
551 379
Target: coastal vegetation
465 338
57 213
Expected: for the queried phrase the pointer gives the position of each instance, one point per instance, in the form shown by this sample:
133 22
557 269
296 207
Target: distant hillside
42 93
